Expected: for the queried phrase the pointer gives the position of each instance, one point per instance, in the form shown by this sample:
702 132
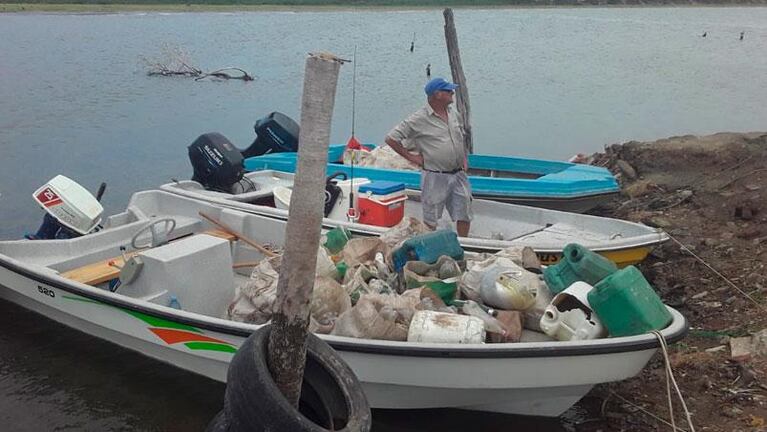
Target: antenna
354 87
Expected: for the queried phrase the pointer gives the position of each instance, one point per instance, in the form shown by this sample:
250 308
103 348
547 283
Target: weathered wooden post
287 341
462 93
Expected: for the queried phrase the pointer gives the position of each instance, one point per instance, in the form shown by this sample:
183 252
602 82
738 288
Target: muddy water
53 378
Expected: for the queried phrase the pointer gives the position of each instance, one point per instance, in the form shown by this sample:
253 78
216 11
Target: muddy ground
709 194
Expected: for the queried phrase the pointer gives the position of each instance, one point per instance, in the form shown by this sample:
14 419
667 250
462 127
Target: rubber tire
330 391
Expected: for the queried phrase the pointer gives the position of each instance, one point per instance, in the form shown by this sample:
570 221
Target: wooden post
287 341
462 93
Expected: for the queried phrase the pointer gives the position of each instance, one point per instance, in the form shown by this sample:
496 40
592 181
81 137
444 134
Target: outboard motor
275 133
71 211
217 163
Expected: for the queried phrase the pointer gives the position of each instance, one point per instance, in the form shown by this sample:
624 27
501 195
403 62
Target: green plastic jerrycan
577 264
627 304
334 240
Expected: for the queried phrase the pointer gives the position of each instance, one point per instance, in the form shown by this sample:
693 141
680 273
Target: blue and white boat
535 182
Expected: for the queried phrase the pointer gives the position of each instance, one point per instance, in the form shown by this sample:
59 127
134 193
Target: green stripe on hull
159 322
209 346
153 321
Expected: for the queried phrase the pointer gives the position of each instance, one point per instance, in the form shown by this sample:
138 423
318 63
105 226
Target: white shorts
440 190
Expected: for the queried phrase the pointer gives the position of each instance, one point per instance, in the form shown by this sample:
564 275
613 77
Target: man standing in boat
436 133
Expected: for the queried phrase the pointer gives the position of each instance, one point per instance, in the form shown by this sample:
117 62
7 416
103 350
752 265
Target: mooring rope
671 380
745 294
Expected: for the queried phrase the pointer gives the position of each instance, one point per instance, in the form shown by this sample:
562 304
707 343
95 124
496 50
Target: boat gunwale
483 190
675 331
473 244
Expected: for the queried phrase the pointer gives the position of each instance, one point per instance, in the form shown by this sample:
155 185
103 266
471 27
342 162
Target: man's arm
402 151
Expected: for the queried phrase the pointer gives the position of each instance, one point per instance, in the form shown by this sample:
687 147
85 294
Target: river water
76 100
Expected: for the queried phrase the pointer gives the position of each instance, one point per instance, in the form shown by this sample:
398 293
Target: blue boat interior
488 174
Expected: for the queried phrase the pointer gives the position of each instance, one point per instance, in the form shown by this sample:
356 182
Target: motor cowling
275 133
216 162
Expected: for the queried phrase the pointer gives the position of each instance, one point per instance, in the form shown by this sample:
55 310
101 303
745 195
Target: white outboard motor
68 205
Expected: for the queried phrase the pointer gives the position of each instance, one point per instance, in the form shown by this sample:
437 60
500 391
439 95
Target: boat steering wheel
158 236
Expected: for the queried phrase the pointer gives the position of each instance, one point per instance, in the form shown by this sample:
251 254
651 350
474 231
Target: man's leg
459 203
463 228
433 194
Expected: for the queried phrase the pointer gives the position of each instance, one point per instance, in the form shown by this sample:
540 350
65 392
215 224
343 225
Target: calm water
543 82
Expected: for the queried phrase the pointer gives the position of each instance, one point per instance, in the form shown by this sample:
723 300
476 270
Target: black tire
331 396
218 424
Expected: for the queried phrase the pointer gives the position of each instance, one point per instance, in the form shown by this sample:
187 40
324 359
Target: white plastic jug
441 327
570 317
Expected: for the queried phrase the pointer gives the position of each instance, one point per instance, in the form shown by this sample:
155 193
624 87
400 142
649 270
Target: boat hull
495 226
541 379
548 184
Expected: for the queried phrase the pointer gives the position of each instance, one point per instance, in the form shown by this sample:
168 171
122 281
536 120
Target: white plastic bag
377 316
253 300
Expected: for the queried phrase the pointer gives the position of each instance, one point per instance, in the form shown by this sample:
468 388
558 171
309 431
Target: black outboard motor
216 162
275 133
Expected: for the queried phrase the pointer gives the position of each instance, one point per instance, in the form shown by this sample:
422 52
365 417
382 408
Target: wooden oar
240 236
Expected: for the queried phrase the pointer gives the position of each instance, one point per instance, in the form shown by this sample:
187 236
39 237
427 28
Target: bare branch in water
176 62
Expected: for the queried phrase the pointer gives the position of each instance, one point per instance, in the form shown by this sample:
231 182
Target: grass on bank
75 6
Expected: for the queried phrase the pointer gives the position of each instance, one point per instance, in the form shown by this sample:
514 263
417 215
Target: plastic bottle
440 327
627 304
492 325
577 264
174 303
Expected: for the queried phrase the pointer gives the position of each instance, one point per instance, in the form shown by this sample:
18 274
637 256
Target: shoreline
75 8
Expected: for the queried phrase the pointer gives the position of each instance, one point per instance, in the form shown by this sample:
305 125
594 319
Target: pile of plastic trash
379 157
413 284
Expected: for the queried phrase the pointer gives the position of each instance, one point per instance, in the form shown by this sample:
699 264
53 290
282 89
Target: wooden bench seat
98 272
108 269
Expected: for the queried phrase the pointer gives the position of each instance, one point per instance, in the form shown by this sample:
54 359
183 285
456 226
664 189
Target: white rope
671 380
628 402
686 249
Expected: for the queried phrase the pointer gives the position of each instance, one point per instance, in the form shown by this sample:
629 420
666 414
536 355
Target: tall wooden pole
462 93
287 341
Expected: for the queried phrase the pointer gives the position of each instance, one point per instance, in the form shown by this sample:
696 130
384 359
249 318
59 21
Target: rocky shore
709 194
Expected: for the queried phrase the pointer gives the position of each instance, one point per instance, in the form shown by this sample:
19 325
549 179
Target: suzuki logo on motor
47 291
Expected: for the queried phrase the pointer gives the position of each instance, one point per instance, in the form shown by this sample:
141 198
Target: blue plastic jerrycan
428 248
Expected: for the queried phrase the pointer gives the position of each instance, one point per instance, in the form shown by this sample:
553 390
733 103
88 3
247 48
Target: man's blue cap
438 84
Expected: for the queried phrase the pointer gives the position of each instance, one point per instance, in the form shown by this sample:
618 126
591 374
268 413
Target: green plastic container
627 305
335 239
441 277
577 264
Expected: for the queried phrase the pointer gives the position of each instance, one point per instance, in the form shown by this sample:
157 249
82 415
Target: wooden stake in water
462 92
287 341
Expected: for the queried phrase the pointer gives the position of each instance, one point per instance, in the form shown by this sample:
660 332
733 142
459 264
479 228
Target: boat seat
98 272
108 269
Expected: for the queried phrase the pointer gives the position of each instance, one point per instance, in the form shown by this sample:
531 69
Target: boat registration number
46 291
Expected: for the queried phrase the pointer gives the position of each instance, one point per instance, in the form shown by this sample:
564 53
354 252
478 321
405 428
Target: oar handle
240 236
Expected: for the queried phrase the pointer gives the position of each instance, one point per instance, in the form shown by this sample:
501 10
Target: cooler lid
382 187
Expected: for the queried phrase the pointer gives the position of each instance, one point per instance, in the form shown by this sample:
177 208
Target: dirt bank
709 194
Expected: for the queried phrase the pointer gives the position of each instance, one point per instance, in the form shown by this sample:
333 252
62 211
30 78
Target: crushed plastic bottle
492 325
174 303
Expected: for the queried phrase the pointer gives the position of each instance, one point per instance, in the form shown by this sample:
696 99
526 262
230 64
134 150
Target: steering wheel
158 236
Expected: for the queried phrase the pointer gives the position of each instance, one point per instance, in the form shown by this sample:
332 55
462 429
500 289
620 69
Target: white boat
69 281
496 225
